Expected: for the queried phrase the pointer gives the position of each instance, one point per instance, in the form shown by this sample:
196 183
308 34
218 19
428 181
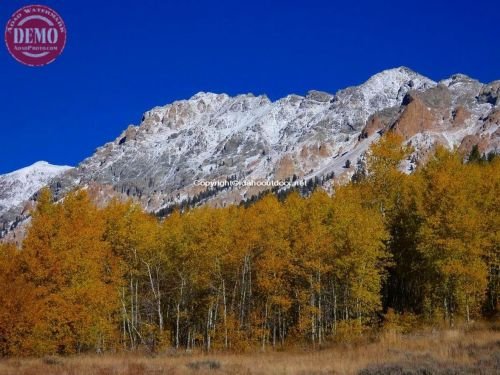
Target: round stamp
35 35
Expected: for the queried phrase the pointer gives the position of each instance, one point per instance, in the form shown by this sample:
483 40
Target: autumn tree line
302 270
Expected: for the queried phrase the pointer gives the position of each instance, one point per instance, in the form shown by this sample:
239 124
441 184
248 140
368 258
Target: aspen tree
451 239
72 270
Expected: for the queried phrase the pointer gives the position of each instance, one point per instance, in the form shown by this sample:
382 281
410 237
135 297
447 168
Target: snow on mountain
217 137
17 187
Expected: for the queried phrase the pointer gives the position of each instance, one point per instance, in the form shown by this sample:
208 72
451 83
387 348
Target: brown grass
456 351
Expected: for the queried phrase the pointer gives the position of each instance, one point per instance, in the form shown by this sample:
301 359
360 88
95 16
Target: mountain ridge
215 136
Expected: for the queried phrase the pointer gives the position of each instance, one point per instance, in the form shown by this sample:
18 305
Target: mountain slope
214 136
17 187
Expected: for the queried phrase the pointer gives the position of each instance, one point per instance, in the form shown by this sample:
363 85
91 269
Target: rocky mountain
16 189
215 137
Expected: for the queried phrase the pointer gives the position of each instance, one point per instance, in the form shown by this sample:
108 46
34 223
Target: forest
386 248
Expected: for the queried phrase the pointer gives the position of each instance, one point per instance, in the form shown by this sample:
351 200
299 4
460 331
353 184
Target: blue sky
125 57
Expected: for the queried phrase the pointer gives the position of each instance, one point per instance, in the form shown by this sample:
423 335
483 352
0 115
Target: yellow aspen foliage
271 258
360 254
384 175
390 248
72 271
18 304
451 237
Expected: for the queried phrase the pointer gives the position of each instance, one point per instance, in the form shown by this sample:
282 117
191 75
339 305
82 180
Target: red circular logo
35 35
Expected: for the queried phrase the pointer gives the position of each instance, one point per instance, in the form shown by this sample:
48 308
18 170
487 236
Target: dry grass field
473 351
